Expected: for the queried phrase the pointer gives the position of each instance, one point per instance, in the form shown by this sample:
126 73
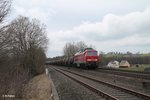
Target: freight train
88 58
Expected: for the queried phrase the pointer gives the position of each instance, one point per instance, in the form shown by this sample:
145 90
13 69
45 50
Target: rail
140 95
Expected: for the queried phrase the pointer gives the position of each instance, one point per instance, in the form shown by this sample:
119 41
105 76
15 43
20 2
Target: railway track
104 89
106 68
135 74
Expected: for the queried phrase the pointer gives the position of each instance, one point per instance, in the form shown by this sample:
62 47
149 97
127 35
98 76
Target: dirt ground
38 88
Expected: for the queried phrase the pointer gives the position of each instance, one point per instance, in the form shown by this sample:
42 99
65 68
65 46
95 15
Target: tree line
23 43
72 48
132 60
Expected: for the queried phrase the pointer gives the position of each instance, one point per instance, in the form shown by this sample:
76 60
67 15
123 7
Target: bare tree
81 46
71 48
5 38
22 51
28 34
29 37
4 8
5 48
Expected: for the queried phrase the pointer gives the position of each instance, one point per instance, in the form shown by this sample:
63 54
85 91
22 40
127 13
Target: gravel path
38 88
69 90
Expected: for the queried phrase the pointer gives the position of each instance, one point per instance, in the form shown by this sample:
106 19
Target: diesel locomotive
88 58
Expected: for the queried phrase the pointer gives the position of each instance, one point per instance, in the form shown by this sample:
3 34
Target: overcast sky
109 25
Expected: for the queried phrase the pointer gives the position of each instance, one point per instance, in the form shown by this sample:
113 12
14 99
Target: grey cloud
69 39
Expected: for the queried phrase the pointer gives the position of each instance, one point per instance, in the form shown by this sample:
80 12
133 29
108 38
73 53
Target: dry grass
38 88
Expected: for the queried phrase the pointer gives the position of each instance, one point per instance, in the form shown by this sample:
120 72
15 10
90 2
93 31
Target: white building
113 64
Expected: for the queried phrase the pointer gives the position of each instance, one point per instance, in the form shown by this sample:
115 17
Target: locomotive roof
88 49
85 50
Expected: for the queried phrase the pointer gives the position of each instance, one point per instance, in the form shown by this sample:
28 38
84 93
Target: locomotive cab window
91 53
94 53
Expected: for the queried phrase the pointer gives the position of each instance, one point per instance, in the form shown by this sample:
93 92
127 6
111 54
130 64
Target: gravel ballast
68 89
128 82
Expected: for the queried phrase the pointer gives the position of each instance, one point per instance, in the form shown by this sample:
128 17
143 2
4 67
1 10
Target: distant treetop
88 49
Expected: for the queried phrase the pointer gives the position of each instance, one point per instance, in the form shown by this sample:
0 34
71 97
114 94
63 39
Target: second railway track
107 90
135 74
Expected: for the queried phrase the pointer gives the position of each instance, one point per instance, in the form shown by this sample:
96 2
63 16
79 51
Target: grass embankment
135 68
38 88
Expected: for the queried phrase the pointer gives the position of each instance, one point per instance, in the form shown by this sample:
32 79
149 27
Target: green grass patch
146 54
135 68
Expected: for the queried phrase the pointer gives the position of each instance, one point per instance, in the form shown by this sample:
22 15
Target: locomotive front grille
91 63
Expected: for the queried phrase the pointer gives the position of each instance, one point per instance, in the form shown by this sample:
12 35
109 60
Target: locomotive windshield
91 53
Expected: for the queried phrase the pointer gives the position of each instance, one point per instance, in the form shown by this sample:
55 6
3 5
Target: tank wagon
88 58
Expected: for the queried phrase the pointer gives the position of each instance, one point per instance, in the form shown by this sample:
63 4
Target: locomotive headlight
95 59
91 59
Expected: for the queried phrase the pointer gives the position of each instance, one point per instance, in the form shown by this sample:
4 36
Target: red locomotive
88 58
